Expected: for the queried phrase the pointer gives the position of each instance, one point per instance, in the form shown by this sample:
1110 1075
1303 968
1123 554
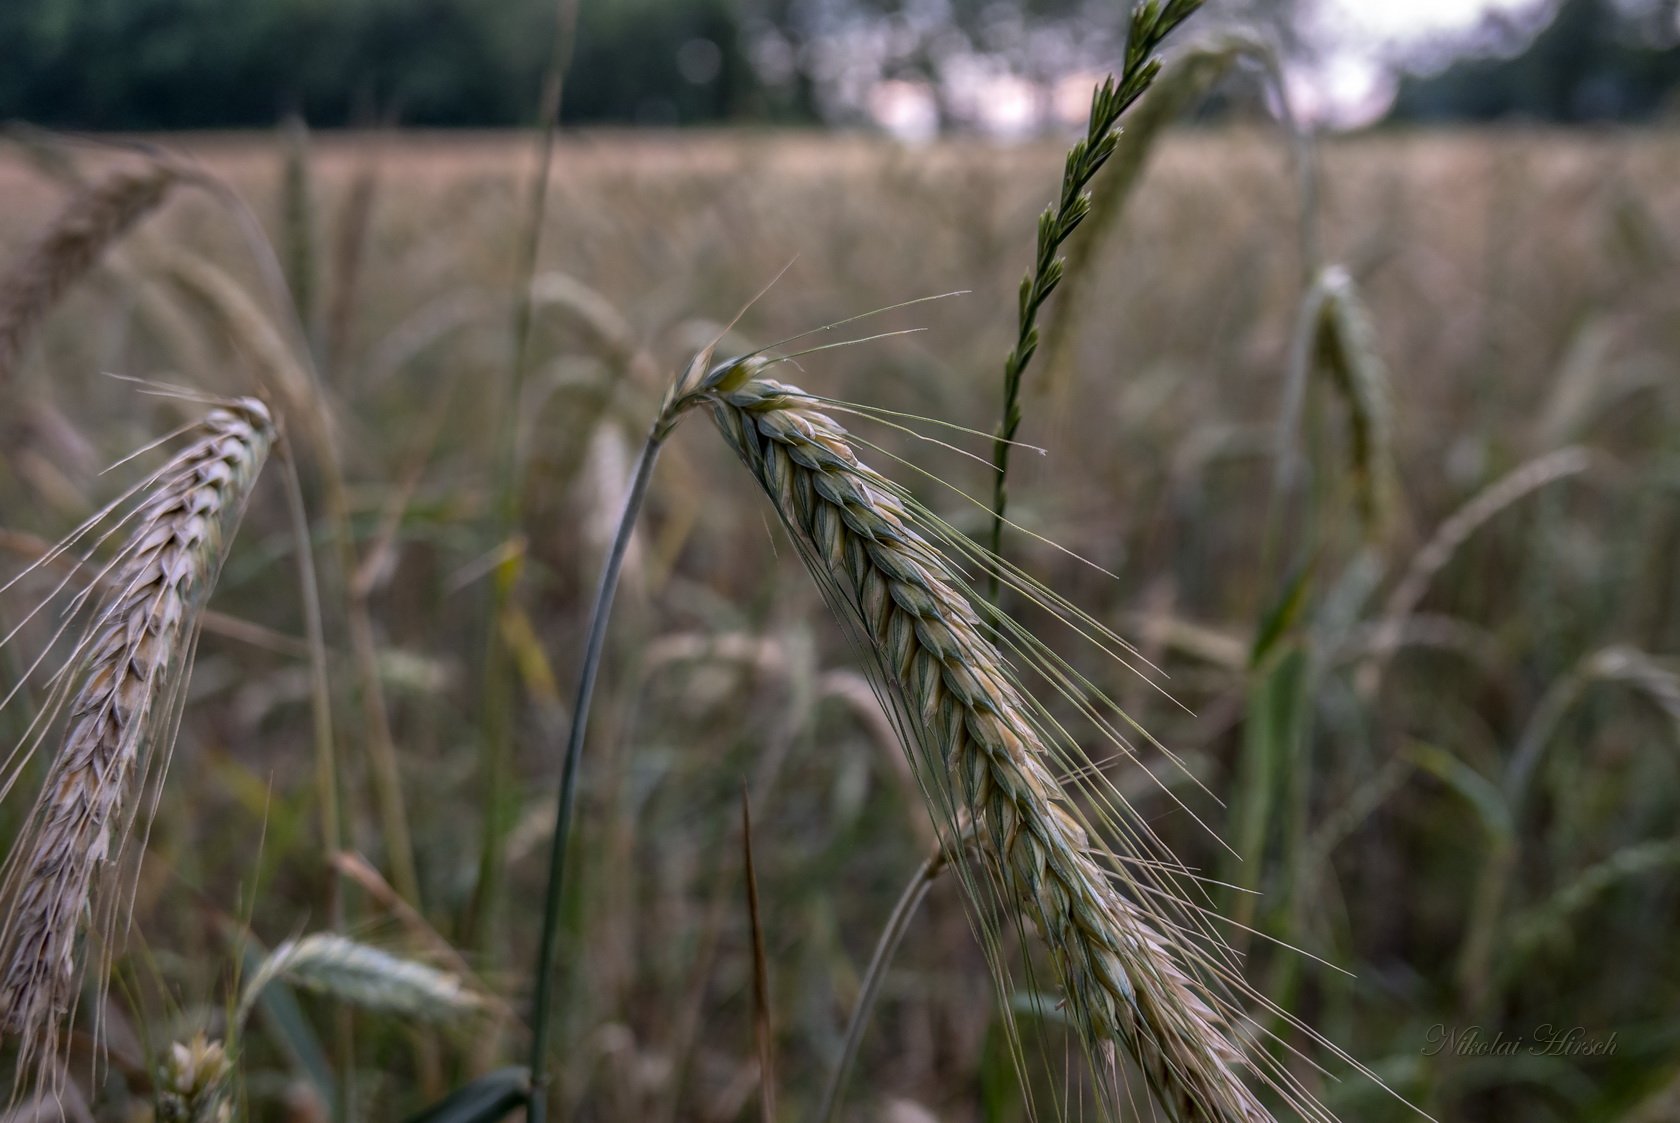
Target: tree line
169 64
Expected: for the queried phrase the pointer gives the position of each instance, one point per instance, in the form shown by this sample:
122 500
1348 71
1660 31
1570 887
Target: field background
1522 292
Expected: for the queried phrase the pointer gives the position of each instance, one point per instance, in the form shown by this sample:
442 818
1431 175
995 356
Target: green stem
547 948
886 948
496 700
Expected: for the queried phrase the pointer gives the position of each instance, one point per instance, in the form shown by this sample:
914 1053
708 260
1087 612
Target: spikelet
123 687
365 976
1129 977
195 1083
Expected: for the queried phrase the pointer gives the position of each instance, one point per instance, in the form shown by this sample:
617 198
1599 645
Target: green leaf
1283 614
290 1029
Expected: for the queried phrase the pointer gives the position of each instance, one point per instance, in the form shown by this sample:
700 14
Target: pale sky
1352 84
1397 21
1355 81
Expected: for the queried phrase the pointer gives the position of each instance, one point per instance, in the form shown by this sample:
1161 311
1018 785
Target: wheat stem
886 949
547 947
495 732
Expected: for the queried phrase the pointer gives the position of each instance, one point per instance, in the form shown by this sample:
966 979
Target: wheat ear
130 672
1127 976
92 220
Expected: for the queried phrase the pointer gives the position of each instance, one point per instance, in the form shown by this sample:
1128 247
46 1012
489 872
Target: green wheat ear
1151 23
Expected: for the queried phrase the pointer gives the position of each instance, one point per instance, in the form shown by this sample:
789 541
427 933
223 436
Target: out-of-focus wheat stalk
294 381
1452 534
1342 344
73 242
129 676
297 222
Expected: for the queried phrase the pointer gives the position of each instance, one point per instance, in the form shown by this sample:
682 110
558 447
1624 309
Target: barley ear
364 976
1129 976
127 677
1187 79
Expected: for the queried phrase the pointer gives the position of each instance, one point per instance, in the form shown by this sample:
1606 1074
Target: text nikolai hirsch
1546 1041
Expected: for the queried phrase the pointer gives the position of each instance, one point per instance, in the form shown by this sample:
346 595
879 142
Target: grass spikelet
74 241
195 1083
128 676
365 976
1129 975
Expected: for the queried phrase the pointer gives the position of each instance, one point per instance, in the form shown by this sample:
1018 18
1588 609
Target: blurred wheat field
1444 743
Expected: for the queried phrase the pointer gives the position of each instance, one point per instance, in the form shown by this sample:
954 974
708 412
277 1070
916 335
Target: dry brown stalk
1128 975
129 676
93 219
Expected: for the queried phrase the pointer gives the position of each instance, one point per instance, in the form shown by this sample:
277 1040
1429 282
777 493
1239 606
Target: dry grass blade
74 241
129 676
1130 977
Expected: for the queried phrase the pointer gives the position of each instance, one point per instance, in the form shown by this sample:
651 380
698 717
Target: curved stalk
546 948
886 949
